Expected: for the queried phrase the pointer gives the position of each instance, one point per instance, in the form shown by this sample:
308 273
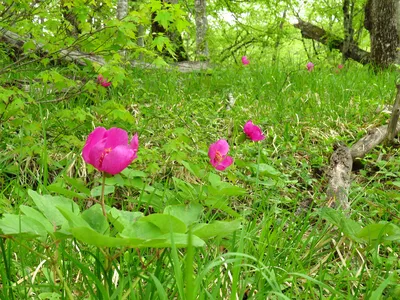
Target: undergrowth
285 247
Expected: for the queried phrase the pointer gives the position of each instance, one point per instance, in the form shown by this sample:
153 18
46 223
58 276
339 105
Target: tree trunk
279 36
348 9
122 9
382 22
201 30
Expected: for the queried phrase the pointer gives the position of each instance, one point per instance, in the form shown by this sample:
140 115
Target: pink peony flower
103 81
340 66
310 66
109 150
218 155
245 60
253 131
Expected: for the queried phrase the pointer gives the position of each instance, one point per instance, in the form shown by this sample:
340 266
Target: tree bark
278 38
310 31
339 172
348 9
382 22
201 30
391 132
122 9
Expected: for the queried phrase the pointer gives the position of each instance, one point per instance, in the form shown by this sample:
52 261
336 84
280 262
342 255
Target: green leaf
196 170
130 173
92 237
159 42
180 240
29 45
77 184
95 218
188 214
216 229
166 223
122 219
48 206
384 231
22 225
36 215
142 230
267 170
96 192
220 203
163 17
349 227
73 219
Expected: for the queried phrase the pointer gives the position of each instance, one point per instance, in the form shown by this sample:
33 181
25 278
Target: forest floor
284 243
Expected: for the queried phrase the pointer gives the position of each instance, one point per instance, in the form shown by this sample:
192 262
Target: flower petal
116 137
135 142
225 163
222 146
253 131
96 153
118 159
94 137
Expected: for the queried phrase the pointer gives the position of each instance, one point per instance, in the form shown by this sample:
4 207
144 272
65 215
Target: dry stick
391 131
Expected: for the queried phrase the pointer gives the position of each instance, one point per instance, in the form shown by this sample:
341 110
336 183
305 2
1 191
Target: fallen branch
339 177
341 161
391 132
310 31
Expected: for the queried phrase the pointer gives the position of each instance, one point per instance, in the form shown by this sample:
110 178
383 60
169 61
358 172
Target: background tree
382 22
201 29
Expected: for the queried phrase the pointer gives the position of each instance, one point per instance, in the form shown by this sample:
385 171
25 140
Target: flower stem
258 164
103 206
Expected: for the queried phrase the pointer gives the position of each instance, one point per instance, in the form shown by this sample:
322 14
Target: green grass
285 250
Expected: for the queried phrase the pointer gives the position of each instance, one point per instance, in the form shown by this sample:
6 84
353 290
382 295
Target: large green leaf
108 189
349 227
180 240
38 216
92 237
166 223
95 218
216 229
122 219
142 230
73 219
380 231
188 214
48 206
22 225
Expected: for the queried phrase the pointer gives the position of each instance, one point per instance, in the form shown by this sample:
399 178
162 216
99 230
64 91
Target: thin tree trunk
348 9
122 9
201 30
278 38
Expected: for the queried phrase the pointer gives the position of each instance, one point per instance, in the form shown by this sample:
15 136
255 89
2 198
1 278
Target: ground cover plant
182 217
